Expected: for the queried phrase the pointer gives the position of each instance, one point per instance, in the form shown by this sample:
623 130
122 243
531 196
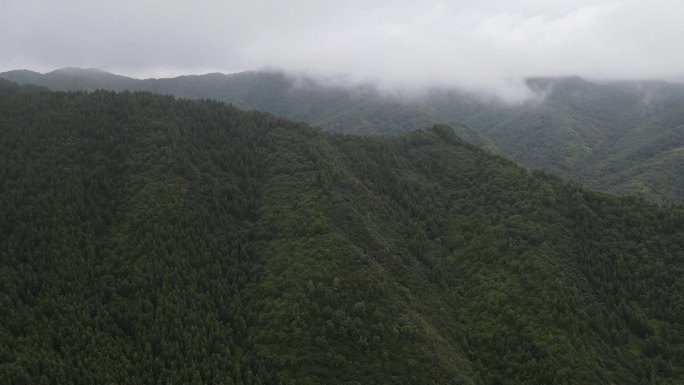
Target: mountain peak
80 71
21 71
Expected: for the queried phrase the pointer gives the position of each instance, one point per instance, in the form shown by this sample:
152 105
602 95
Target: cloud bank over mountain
488 45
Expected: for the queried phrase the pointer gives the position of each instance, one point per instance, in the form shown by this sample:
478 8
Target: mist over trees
621 137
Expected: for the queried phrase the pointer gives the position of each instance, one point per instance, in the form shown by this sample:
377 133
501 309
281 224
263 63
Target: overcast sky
489 44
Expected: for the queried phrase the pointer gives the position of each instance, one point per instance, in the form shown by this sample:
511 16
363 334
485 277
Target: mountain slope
613 137
149 239
624 137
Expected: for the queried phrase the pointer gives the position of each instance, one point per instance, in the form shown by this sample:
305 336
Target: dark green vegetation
626 138
150 240
339 109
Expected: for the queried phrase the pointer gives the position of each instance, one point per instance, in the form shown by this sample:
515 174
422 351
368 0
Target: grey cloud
486 45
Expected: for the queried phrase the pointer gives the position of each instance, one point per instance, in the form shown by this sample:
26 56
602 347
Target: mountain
71 78
342 109
624 137
146 239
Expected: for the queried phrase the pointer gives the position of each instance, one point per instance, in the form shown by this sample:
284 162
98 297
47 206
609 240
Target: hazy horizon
487 46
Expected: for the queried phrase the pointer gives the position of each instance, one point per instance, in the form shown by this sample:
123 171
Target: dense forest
145 239
620 137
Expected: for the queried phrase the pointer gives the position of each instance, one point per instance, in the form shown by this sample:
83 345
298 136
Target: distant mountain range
624 137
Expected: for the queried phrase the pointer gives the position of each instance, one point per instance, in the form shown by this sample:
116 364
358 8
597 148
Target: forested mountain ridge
624 137
340 109
146 239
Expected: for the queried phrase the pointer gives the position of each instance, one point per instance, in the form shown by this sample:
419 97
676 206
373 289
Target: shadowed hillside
624 138
146 239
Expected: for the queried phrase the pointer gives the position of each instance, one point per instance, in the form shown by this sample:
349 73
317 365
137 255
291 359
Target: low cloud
484 45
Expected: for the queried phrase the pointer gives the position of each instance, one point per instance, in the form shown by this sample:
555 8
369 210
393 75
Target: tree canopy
145 239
